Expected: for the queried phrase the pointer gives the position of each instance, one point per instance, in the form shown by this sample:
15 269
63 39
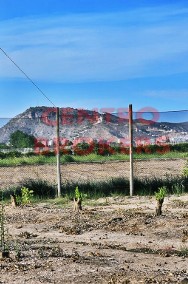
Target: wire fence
93 146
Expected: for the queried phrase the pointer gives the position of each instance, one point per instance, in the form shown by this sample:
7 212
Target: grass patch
41 189
57 201
94 190
124 157
33 160
174 185
120 186
42 159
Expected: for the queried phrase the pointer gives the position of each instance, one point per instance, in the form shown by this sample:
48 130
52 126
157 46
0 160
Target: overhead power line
27 76
167 111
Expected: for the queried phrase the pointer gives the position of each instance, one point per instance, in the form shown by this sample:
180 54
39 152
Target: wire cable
27 76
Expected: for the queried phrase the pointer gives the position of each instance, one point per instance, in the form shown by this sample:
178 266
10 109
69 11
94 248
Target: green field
42 159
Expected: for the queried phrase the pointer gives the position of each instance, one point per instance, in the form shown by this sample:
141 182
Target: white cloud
97 47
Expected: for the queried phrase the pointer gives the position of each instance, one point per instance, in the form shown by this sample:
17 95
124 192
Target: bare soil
112 240
12 176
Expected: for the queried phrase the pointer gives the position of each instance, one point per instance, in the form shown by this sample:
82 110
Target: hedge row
103 149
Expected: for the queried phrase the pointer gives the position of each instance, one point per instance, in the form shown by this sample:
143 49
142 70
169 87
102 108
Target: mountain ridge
40 122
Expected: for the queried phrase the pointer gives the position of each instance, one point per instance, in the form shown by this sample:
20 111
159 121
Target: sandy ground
112 240
12 176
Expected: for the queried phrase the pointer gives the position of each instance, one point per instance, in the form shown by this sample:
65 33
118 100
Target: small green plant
161 193
183 251
77 200
78 194
68 159
26 195
178 189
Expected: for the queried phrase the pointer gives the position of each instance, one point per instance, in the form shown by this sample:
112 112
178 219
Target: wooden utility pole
58 157
131 149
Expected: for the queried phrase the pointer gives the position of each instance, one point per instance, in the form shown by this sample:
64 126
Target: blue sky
94 54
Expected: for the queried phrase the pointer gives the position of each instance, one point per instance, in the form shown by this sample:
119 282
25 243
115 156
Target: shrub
19 139
160 195
47 153
26 195
40 188
181 147
68 158
78 194
30 154
14 154
2 155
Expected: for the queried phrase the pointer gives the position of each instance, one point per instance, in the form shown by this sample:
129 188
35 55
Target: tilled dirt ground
112 240
80 172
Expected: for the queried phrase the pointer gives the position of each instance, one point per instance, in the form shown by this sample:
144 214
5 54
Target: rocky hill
74 123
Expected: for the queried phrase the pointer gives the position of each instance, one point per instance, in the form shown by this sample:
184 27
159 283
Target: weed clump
77 200
160 195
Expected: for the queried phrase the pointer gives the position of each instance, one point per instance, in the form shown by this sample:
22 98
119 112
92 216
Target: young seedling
77 200
26 195
160 195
